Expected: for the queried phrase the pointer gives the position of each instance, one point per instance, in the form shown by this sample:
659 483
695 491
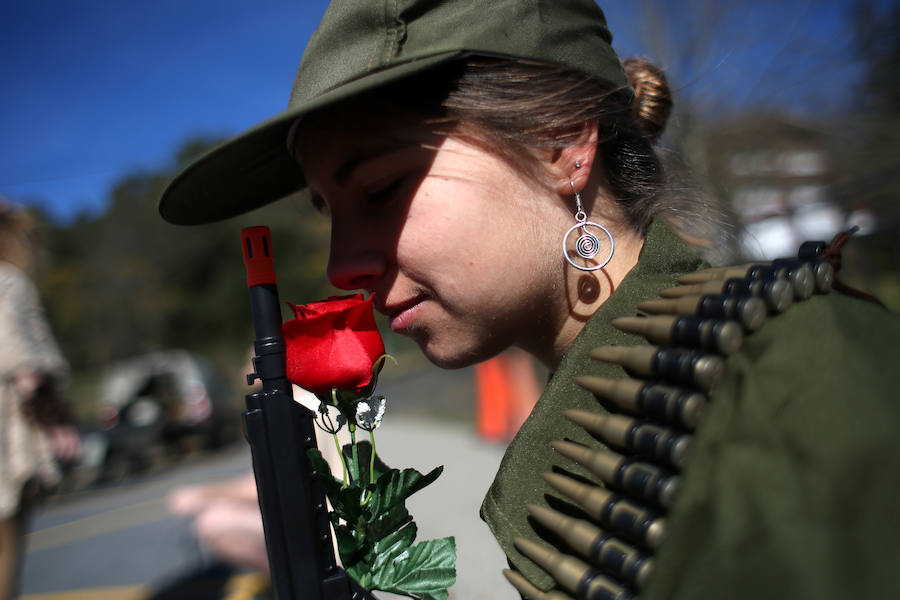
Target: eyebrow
344 171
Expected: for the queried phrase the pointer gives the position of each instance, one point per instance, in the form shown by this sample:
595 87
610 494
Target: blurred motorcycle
161 404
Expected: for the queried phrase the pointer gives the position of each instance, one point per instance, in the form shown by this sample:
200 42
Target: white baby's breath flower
369 414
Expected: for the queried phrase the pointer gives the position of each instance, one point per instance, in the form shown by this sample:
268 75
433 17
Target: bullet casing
750 311
710 274
529 591
679 365
777 294
638 437
657 443
797 273
822 271
654 401
573 574
645 480
688 366
616 513
672 404
724 337
600 548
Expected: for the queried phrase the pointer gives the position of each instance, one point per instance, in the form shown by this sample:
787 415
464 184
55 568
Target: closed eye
384 193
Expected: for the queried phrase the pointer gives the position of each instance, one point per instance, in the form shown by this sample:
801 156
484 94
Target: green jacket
791 489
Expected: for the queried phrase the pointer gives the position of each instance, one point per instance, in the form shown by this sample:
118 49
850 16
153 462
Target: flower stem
372 457
352 429
368 495
337 445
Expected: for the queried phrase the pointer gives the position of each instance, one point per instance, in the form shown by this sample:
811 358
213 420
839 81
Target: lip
401 316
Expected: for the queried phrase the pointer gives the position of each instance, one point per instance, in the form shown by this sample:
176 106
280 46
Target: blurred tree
728 62
872 181
126 282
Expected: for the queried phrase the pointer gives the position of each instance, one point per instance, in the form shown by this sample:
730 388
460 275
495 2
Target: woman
34 423
490 177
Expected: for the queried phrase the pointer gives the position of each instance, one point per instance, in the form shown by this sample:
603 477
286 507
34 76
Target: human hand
66 442
26 384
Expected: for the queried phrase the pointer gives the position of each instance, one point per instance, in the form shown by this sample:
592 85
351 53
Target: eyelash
383 194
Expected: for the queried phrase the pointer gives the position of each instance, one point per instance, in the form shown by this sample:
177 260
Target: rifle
280 432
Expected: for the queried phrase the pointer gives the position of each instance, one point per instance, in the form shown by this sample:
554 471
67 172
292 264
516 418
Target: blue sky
96 89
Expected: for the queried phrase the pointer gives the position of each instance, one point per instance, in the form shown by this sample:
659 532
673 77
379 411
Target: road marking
96 525
246 586
131 592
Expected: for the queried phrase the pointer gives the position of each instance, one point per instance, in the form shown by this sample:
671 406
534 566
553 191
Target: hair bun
652 102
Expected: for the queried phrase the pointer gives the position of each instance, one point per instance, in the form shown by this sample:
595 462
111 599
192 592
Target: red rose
333 344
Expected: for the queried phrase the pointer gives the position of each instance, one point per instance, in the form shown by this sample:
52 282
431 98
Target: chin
452 362
452 358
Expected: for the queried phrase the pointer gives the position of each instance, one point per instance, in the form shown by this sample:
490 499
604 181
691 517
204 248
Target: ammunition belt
650 423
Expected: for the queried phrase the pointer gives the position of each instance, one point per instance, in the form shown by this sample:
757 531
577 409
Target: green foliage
126 282
375 532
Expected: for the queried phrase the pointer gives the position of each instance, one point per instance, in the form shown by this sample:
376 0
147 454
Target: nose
353 264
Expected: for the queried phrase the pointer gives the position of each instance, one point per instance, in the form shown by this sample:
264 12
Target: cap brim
255 167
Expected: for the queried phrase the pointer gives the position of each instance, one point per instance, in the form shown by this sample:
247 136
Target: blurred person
226 515
226 520
35 423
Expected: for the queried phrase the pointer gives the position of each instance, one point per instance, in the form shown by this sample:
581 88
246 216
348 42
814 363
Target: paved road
121 542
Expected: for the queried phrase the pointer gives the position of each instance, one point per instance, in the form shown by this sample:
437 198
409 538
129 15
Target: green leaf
407 535
425 571
394 487
360 572
387 523
350 502
348 547
390 546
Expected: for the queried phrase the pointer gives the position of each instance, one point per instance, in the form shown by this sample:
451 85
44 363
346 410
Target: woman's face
457 246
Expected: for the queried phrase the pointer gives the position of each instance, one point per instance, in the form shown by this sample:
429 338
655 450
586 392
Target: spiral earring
587 246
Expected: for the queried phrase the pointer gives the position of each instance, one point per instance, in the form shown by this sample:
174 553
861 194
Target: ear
561 165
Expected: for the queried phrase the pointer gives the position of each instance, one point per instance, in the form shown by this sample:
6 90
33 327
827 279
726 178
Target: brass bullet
598 547
801 277
571 573
711 274
778 294
822 271
748 310
643 479
655 401
644 439
749 270
724 337
796 272
616 513
529 591
680 365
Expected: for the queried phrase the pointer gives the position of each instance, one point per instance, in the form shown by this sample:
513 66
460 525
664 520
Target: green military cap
362 45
